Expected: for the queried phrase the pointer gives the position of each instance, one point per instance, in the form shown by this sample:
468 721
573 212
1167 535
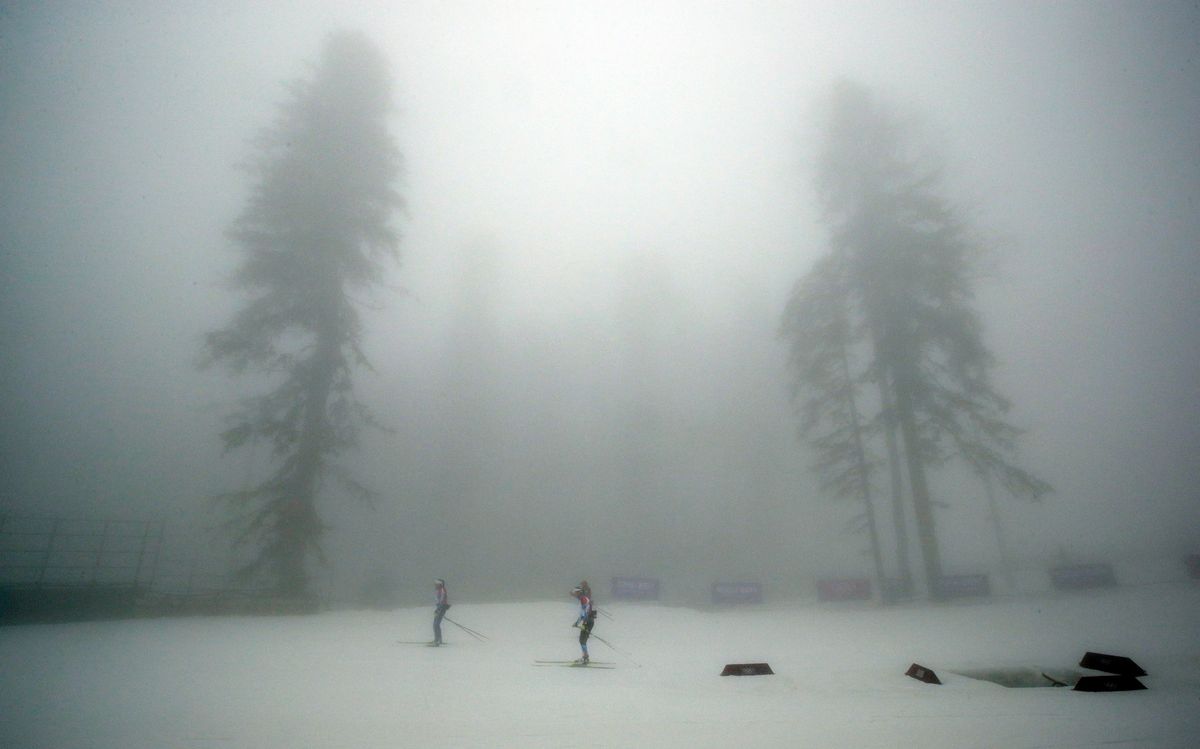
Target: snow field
340 679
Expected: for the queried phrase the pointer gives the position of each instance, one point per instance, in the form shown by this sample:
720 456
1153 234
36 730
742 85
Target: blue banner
844 589
737 593
635 588
1082 576
962 586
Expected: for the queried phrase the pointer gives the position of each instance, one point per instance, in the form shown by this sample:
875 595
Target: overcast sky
607 205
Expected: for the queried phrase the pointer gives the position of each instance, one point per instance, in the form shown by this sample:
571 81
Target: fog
607 206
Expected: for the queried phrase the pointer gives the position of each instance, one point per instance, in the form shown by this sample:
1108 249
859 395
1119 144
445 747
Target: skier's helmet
439 582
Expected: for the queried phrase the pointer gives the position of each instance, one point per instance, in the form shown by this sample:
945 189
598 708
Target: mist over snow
606 208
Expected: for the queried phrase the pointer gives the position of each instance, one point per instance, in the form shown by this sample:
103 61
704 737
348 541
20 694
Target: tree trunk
299 525
864 476
1001 544
922 504
896 475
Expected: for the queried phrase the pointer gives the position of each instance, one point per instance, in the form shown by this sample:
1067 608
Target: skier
585 622
587 591
439 610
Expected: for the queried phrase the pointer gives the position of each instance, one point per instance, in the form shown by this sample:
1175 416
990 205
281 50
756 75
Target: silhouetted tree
314 230
824 356
908 259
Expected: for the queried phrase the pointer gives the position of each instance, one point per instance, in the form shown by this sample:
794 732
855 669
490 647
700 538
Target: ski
573 664
600 663
426 643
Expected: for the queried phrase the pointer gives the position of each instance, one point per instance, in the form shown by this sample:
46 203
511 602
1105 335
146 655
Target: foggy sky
606 209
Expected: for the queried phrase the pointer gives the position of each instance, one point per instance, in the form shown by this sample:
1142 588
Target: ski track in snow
340 679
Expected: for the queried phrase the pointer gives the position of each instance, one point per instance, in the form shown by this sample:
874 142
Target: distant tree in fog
315 229
908 262
828 372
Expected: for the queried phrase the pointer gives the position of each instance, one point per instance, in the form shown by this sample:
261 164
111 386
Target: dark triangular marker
747 669
1108 683
920 673
1112 664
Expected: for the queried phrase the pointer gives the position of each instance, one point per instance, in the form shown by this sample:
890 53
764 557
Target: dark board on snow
747 669
1108 683
920 673
1113 664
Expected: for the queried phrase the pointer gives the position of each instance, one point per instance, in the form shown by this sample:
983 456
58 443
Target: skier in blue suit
586 620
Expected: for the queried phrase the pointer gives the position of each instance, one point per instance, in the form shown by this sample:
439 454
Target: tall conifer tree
908 262
827 366
315 229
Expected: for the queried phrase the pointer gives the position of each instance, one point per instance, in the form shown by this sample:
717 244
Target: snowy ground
341 679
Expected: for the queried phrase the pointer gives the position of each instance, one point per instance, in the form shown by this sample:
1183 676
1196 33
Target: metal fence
79 569
147 555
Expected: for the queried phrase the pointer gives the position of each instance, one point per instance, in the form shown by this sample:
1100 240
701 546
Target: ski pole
477 635
614 647
468 629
